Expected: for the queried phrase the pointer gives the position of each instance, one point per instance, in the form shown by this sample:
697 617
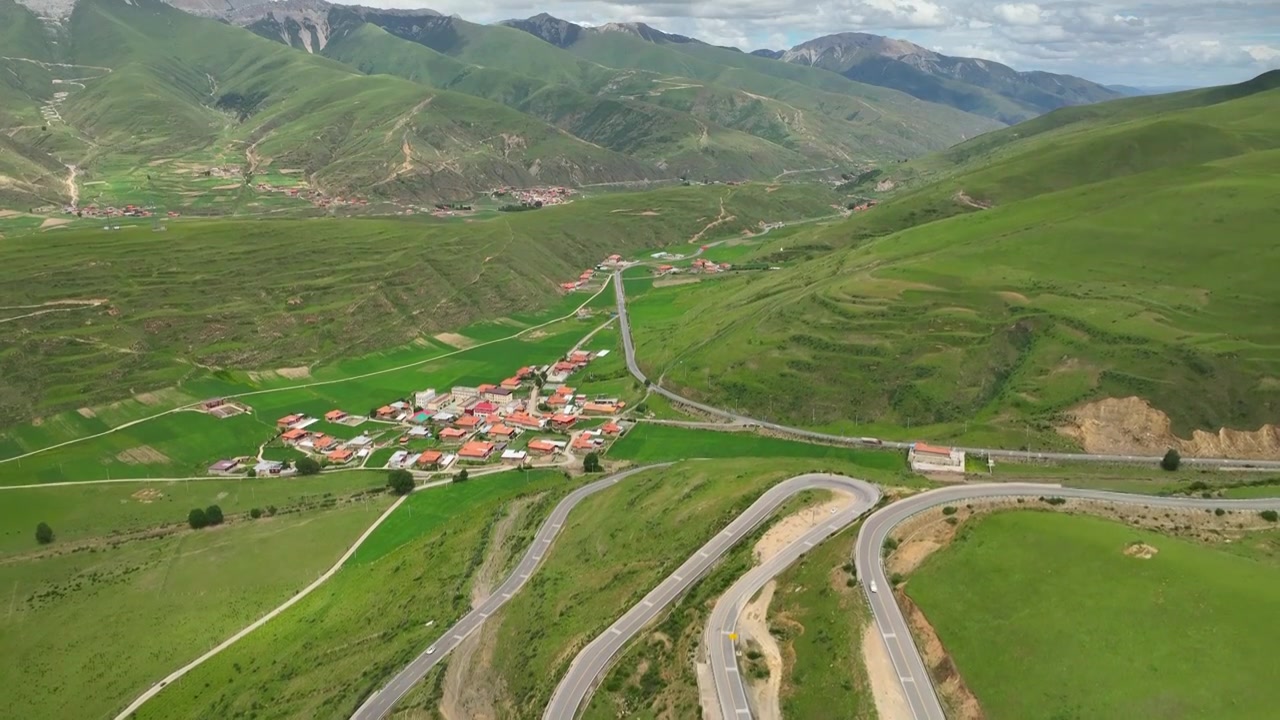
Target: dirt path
468 689
721 219
72 189
891 703
51 307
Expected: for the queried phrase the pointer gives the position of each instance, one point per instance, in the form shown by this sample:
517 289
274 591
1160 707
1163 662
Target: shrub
948 510
252 473
1269 515
1171 460
213 515
1219 512
591 463
953 521
271 510
896 579
461 477
255 513
308 466
400 481
197 519
44 533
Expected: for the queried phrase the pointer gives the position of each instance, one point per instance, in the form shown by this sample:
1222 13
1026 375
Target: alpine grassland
1093 631
205 299
91 625
1131 256
407 584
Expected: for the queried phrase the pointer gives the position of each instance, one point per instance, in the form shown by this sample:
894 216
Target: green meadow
321 657
1091 632
88 631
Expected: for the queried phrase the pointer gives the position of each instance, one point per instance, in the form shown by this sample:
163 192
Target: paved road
912 674
717 637
590 664
624 323
380 704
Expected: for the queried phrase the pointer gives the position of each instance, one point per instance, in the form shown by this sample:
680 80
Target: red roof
340 455
524 419
430 457
612 428
334 415
294 434
486 388
562 419
322 441
386 410
475 449
511 382
452 433
484 408
502 430
599 408
542 446
288 419
932 449
467 421
562 366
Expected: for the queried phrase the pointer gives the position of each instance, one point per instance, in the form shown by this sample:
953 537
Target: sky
1157 43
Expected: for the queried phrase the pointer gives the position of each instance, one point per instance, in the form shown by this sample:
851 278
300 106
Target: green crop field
88 631
1091 632
85 512
1144 274
320 658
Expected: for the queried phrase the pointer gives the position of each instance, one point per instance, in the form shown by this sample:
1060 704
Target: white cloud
1162 42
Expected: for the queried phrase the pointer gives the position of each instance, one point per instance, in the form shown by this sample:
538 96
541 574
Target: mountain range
412 105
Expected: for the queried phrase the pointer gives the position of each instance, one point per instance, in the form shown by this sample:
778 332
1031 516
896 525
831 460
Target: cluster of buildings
926 458
531 415
586 276
316 197
133 211
536 197
699 266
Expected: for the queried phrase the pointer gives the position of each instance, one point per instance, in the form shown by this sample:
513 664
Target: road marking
704 553
506 596
457 637
907 679
647 603
890 635
678 578
615 631
808 543
743 711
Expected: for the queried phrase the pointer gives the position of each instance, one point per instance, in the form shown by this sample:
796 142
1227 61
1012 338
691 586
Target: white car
873 586
431 650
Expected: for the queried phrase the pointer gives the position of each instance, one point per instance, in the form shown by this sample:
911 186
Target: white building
932 458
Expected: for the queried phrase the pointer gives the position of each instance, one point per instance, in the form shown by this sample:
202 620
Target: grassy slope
321 657
193 87
393 281
1064 596
993 316
640 129
86 632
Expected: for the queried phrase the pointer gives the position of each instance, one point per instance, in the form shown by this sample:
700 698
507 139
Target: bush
1055 500
1269 515
948 510
461 477
591 463
44 534
197 519
1171 460
308 466
1219 512
213 515
953 521
401 482
255 513
896 579
271 510
891 543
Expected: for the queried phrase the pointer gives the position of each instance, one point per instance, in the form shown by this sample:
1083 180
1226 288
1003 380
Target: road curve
731 691
913 676
624 324
380 703
591 663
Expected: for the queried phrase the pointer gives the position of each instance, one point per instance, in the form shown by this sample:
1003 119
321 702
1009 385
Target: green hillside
675 140
1129 255
206 296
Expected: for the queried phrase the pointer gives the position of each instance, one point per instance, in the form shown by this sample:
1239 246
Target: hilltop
1104 252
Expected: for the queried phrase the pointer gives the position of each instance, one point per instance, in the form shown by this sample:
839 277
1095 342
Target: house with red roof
926 458
476 450
334 415
611 428
503 431
525 420
429 459
453 435
511 383
323 442
293 435
561 421
467 422
340 456
599 408
543 447
288 420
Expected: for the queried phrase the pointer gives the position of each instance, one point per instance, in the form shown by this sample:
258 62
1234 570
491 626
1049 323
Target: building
439 402
360 441
516 456
385 412
213 403
463 394
398 458
511 383
467 422
288 420
222 467
579 357
599 408
544 447
484 407
611 428
503 431
475 451
419 431
293 435
268 467
430 459
453 435
932 458
586 442
496 394
334 416
423 398
340 456
525 420
323 442
561 421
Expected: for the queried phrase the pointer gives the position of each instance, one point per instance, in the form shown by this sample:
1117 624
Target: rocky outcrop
1131 426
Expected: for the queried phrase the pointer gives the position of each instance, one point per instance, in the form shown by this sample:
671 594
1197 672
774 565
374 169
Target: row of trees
208 517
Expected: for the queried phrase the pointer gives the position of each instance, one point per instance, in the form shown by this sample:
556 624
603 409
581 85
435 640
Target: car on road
431 650
873 586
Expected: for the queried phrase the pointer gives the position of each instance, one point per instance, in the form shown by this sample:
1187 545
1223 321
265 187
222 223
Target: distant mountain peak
544 26
646 32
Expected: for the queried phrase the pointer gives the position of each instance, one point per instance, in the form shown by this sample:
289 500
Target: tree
197 519
255 513
591 463
252 473
308 466
461 477
44 534
213 515
400 481
1171 460
1269 515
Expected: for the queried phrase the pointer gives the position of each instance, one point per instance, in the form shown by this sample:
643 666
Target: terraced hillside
1119 250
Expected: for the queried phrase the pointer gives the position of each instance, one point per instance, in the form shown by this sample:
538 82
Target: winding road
380 703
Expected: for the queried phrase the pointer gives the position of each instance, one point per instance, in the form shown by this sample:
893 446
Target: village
532 418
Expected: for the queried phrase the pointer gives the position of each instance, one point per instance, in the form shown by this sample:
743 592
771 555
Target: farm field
599 566
1063 594
86 512
322 656
87 631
